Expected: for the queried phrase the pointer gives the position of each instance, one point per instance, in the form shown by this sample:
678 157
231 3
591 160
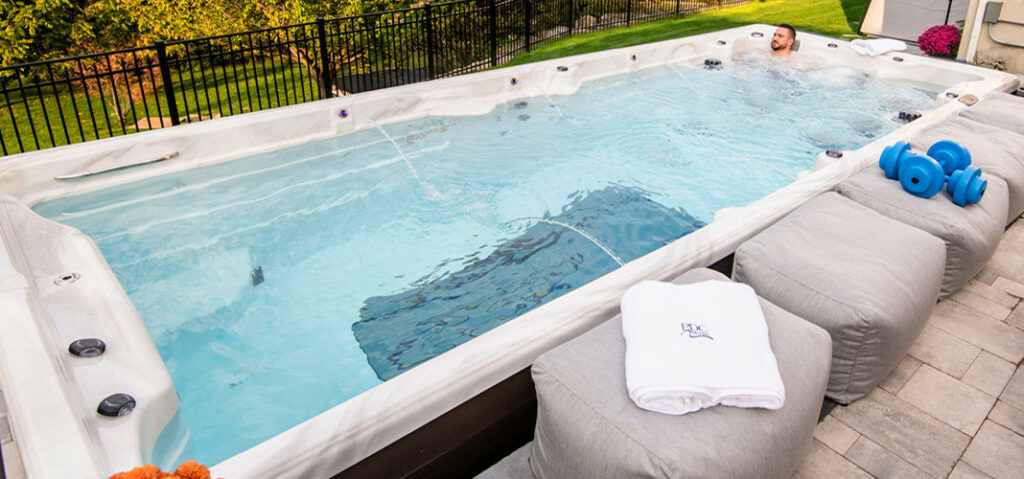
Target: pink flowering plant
940 41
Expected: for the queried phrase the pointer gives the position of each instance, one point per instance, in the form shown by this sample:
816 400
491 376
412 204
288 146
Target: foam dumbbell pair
946 162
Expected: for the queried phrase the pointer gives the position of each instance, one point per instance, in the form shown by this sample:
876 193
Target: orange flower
188 470
192 470
148 471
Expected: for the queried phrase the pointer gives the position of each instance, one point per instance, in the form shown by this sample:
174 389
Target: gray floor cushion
996 151
1000 109
587 426
869 280
971 233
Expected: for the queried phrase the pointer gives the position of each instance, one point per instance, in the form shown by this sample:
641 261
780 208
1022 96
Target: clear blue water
382 248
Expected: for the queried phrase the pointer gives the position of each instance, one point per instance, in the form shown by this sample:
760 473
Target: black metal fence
70 100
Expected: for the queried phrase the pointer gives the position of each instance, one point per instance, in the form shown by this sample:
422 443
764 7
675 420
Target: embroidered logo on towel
696 331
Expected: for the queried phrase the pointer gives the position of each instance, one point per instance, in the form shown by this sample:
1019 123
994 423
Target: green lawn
211 90
827 17
48 117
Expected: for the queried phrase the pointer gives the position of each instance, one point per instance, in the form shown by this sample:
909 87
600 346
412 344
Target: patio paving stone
899 376
1009 286
1008 416
881 463
989 373
1013 393
836 435
986 276
918 438
966 471
1008 260
994 294
980 330
947 399
944 351
997 451
1016 318
821 461
981 303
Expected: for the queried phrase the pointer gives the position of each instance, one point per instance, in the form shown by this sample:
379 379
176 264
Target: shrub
940 41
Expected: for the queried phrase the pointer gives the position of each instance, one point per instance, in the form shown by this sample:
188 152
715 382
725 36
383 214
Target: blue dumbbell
920 175
891 156
923 175
963 182
951 155
966 186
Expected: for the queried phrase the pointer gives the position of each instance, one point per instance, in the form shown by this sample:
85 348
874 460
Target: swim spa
402 124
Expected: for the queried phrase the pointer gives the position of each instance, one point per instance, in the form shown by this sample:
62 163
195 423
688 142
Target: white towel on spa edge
877 46
697 345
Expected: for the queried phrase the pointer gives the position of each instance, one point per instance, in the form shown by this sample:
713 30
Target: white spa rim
52 396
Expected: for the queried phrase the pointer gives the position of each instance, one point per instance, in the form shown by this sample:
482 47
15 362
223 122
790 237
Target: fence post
677 8
572 16
325 67
430 40
629 12
529 22
492 6
165 76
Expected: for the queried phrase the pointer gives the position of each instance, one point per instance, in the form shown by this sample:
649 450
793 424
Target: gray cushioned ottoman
971 233
869 280
996 151
1000 109
588 427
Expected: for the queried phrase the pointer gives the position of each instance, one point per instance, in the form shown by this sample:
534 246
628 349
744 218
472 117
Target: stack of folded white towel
697 345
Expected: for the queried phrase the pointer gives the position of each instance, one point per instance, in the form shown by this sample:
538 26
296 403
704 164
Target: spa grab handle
116 168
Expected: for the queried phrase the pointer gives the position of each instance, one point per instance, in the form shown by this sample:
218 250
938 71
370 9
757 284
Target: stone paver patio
954 407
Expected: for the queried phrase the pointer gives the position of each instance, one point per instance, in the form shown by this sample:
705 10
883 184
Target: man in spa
783 39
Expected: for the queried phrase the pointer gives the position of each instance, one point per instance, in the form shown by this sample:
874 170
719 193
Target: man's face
781 40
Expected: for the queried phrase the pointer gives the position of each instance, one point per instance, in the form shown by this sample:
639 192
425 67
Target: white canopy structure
908 19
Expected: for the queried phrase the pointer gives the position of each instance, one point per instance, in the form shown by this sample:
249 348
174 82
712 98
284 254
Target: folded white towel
877 46
697 345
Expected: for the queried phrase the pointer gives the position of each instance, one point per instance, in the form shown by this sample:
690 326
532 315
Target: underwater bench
588 427
869 280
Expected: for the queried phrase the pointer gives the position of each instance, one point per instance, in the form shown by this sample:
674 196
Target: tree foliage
35 30
41 29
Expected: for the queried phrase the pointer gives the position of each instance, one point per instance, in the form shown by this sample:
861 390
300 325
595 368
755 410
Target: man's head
783 40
